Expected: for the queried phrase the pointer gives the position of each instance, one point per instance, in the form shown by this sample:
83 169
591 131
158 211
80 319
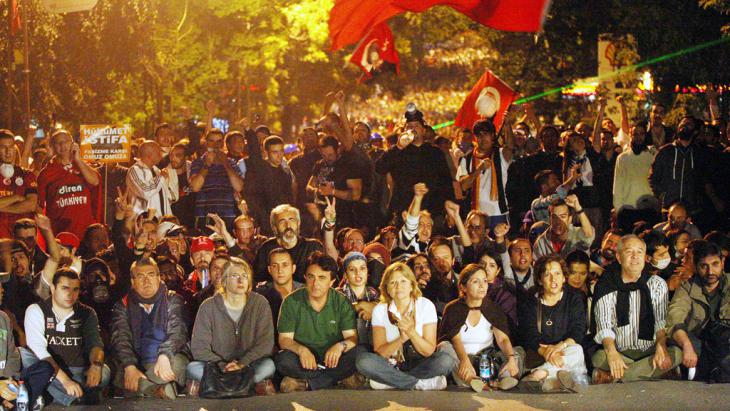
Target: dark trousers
288 365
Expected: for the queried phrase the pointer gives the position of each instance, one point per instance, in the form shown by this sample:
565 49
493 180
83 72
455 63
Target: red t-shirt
67 198
22 182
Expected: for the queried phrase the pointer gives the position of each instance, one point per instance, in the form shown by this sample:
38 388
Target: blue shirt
216 195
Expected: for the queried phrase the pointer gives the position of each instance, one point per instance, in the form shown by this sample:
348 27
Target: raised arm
596 138
90 175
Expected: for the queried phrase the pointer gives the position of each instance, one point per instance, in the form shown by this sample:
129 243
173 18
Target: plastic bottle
205 277
485 368
22 402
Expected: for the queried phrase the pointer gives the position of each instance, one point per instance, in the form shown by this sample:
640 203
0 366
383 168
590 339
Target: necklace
549 321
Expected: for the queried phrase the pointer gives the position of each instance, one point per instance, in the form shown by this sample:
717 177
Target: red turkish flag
376 52
350 20
508 15
490 98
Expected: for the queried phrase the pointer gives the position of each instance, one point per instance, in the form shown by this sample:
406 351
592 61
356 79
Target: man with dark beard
607 253
285 222
633 199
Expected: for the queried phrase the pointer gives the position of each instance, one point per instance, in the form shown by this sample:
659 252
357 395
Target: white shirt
35 323
424 310
476 338
485 183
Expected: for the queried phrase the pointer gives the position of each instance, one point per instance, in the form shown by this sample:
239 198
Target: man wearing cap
148 186
67 187
483 173
285 222
201 254
414 162
18 187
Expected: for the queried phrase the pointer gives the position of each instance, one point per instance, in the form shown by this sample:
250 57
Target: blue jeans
264 368
78 374
376 367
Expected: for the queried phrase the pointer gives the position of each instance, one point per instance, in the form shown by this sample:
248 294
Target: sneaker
567 382
166 391
431 384
379 385
600 376
289 384
477 384
354 381
265 387
507 383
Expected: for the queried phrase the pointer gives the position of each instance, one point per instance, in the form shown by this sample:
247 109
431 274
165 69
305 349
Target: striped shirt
217 194
627 337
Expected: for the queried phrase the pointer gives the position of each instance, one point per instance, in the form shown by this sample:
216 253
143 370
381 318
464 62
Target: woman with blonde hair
404 337
234 329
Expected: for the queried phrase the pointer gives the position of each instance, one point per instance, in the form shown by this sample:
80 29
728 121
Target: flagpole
26 71
10 60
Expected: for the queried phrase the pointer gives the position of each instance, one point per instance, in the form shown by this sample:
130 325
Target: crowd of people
560 256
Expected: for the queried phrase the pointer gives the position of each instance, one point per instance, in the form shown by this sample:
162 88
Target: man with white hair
285 223
630 314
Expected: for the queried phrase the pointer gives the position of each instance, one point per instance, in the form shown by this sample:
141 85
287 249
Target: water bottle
204 277
485 368
21 403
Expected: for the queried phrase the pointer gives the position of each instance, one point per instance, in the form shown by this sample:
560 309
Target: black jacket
678 173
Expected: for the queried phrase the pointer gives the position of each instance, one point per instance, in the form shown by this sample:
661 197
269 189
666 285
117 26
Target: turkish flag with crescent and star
376 53
490 98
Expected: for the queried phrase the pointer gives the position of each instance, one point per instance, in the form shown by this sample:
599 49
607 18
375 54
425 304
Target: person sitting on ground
677 218
659 254
630 313
233 329
317 332
281 269
562 236
548 182
695 314
415 234
404 335
607 253
472 325
503 294
65 333
362 297
149 334
552 326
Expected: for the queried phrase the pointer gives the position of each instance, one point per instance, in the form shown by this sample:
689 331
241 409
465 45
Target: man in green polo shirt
317 332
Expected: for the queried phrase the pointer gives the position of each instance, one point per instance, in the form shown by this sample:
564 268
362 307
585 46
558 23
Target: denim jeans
288 365
264 368
78 374
377 367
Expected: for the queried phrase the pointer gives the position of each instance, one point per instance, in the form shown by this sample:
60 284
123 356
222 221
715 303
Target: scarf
457 311
136 313
611 281
493 192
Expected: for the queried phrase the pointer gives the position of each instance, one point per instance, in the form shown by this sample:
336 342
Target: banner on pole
104 143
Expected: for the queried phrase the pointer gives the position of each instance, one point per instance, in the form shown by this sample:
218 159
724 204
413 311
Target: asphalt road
657 395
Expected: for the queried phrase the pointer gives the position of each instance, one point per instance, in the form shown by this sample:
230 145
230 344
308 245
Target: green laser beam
632 67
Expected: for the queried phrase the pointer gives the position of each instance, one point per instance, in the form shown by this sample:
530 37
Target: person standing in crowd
285 223
404 335
473 324
215 179
483 173
317 332
65 333
68 188
630 311
234 329
411 162
149 334
184 200
148 186
18 189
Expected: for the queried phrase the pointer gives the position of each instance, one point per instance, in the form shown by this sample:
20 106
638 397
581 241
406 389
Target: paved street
661 395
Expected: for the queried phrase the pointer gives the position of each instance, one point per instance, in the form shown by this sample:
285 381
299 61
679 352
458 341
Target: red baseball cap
68 239
201 244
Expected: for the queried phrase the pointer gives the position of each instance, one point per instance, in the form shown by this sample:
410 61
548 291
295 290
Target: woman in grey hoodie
234 328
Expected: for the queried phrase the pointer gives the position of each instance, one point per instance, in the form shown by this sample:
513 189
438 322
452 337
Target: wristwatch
344 345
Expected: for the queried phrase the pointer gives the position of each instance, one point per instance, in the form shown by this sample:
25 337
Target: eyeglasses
237 277
150 276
